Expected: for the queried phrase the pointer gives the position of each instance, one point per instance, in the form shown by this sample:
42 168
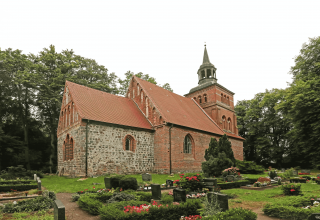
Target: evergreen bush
249 167
36 204
128 183
234 214
89 203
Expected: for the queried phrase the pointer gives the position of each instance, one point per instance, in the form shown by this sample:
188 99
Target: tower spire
207 71
205 56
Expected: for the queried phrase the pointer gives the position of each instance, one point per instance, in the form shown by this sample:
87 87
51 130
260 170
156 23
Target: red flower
94 187
292 190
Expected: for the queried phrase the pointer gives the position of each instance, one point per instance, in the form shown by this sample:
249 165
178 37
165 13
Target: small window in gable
205 98
200 101
187 145
138 90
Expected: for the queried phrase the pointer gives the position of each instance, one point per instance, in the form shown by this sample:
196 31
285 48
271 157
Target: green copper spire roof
205 56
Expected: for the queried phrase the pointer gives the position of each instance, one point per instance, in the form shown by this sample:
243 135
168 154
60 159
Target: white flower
14 202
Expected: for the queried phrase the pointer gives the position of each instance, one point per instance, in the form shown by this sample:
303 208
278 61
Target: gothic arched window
229 124
68 148
205 98
224 122
187 145
200 101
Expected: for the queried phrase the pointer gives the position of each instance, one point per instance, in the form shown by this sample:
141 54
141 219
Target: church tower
216 100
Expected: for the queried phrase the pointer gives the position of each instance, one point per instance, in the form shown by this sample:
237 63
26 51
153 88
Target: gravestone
295 172
223 201
107 183
146 177
39 184
314 216
209 182
169 183
179 195
35 177
305 171
38 178
230 178
59 210
156 191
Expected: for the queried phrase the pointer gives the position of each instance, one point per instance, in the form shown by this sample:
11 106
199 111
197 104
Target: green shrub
249 167
211 208
307 177
115 181
215 166
122 204
272 174
287 174
49 194
144 196
89 203
118 197
190 182
36 204
166 199
291 189
18 187
75 197
234 214
128 183
103 197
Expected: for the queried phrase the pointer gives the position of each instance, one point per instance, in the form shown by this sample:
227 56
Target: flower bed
18 187
298 180
230 185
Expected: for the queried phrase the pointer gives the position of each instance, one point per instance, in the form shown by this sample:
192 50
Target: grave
146 177
59 210
283 170
169 183
314 216
222 200
156 191
35 177
230 178
107 182
318 175
295 172
179 195
305 171
39 184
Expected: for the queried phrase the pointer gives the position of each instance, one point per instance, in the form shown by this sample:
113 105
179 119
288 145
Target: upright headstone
305 171
39 184
169 183
156 191
179 195
59 210
38 178
230 178
223 201
314 216
146 177
209 182
35 177
107 183
210 196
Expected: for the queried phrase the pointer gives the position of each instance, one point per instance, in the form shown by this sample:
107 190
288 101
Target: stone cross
179 195
146 177
107 182
156 191
35 177
314 216
59 210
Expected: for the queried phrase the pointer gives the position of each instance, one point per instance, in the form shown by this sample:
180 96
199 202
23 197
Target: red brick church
149 130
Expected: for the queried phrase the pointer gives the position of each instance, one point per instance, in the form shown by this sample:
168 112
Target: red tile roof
96 105
180 110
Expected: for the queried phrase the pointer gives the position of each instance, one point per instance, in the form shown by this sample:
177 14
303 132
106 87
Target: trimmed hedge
164 212
90 203
128 183
15 182
36 204
249 167
296 180
230 185
234 214
18 187
291 209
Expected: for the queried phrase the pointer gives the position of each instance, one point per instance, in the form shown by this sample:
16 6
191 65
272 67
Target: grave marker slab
39 184
35 177
146 177
156 191
59 210
295 172
179 195
107 182
230 178
305 171
223 201
169 183
314 216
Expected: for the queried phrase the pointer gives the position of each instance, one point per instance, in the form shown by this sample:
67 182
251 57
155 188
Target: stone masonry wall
107 154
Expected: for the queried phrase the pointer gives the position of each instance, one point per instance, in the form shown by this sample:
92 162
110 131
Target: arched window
229 124
200 101
205 98
68 148
129 144
187 145
129 95
62 120
138 89
72 112
228 102
224 122
66 118
195 98
203 74
69 111
208 73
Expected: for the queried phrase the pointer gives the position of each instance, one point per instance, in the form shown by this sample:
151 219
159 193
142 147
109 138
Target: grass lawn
39 215
72 185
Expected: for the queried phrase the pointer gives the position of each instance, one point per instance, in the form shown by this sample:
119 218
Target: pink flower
292 190
94 187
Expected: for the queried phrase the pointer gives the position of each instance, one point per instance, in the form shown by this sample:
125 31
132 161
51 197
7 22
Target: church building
149 130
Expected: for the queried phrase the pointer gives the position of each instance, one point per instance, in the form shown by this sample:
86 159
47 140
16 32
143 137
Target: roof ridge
163 116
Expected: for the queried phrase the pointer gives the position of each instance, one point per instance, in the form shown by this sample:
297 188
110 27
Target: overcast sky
251 43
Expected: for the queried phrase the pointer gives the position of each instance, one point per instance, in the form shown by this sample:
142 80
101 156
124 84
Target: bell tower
216 100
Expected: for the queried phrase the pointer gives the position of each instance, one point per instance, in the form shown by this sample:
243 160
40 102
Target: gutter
170 161
86 163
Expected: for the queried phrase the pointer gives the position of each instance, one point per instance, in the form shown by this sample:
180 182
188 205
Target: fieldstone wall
107 154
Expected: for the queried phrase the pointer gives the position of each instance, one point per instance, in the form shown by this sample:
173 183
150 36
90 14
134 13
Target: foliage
234 214
279 182
166 199
89 203
189 182
211 208
291 189
230 185
75 197
214 166
128 183
287 174
144 196
38 203
257 184
249 167
273 174
18 187
124 84
49 194
118 197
